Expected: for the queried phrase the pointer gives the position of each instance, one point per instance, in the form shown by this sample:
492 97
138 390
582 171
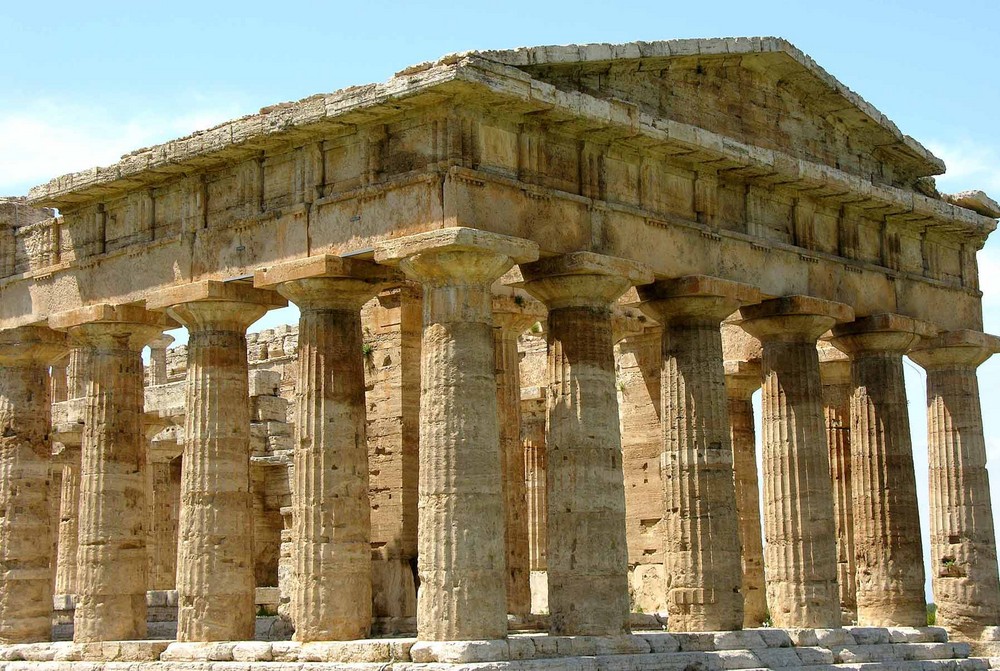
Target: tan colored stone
798 495
331 524
890 569
215 580
742 381
69 519
25 453
587 554
462 569
702 555
963 541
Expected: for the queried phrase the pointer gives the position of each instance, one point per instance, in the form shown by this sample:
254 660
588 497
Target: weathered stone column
742 380
331 524
25 454
702 552
69 527
533 440
587 553
163 534
835 376
112 571
158 359
801 552
463 592
963 542
890 562
215 579
512 317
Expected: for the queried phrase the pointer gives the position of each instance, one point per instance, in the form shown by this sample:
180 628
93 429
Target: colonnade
465 561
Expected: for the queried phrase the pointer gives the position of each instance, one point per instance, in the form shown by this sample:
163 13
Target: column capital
742 378
834 365
214 304
327 281
514 313
886 332
955 348
162 342
31 344
695 299
456 255
105 324
582 279
793 318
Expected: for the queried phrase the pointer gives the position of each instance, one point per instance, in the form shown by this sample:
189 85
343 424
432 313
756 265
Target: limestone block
737 659
268 409
264 383
776 638
346 652
734 640
869 635
661 642
695 642
778 657
459 652
253 651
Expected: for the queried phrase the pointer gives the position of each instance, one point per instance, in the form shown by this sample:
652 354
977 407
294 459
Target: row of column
463 549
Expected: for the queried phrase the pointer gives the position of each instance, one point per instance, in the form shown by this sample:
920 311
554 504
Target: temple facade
537 290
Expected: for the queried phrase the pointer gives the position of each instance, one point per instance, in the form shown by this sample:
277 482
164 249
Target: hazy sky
83 83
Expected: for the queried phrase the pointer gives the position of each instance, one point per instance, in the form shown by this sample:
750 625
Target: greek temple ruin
513 428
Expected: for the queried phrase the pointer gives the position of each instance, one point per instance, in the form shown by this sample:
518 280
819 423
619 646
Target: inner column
801 552
215 578
25 453
331 522
702 531
890 560
463 594
587 553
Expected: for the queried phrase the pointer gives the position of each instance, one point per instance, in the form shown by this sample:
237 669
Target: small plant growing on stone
519 300
536 327
367 349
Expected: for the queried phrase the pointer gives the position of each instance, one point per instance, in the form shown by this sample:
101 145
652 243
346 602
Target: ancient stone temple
513 427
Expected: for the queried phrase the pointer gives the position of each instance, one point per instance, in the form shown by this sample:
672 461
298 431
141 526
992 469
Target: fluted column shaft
510 325
534 467
587 551
836 379
963 542
166 479
331 523
702 551
25 455
461 544
69 528
740 388
800 550
890 567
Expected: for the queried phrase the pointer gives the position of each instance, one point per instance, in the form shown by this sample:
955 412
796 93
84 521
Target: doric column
158 359
587 552
742 380
25 454
215 579
111 557
963 543
889 556
702 551
163 534
463 591
331 524
533 440
835 376
800 553
512 316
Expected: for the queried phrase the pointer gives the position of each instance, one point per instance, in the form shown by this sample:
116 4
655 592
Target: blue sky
83 83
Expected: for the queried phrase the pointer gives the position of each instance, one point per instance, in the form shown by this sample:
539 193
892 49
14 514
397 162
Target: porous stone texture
890 568
512 315
587 554
702 551
798 495
112 562
533 440
69 518
463 593
963 541
215 579
163 525
25 454
331 525
835 375
742 381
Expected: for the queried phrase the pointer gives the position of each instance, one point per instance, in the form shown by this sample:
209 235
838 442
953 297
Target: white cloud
971 165
49 138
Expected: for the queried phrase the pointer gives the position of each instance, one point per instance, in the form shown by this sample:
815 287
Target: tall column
702 554
331 524
963 542
742 380
461 543
890 561
835 375
215 579
165 510
800 552
587 552
25 454
69 528
111 557
533 440
158 359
